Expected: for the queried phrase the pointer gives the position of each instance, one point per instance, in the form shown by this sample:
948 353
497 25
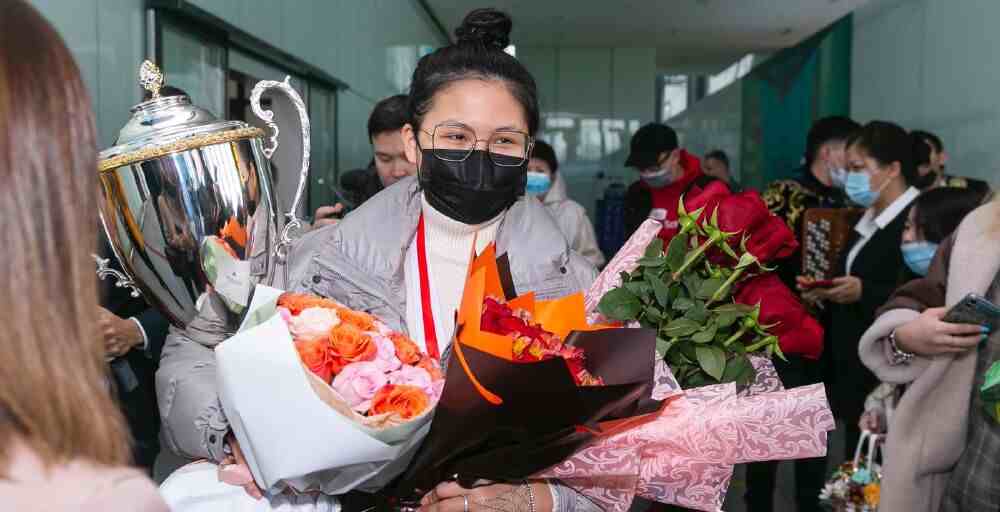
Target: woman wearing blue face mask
932 218
546 183
880 172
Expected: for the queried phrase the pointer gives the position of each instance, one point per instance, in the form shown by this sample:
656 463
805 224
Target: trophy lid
168 124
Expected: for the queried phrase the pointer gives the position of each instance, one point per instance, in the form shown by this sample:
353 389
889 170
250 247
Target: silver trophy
187 201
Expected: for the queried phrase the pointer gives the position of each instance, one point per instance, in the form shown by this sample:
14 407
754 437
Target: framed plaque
825 235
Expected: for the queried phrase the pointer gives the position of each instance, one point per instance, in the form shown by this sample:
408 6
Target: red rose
499 318
772 241
742 213
797 331
746 214
707 198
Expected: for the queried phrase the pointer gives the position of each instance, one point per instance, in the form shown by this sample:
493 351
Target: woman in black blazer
881 174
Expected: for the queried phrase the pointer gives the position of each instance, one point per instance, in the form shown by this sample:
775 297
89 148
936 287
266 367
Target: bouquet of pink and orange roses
324 398
380 374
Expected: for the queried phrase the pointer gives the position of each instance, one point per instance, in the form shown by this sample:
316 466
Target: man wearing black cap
665 173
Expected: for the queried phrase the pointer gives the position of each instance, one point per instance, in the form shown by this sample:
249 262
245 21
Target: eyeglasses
454 142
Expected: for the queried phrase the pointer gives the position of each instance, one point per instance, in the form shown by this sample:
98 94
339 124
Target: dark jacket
134 373
980 187
360 185
639 201
881 269
789 199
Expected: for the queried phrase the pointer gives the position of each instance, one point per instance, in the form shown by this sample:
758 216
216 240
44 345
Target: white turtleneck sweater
449 251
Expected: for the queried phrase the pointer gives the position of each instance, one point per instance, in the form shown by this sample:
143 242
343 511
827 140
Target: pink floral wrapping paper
686 456
624 261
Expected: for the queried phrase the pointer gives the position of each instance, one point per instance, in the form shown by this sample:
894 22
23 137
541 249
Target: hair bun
487 27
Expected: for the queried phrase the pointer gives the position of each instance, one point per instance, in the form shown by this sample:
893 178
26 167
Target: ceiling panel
685 33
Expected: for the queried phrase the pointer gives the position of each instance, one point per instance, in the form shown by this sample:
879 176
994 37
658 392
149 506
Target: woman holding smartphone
943 450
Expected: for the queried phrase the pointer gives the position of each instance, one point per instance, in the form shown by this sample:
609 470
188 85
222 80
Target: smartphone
974 309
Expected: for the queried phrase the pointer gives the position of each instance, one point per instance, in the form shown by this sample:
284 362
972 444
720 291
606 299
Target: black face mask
472 191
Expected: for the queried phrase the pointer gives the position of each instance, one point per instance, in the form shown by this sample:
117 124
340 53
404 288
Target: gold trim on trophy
195 142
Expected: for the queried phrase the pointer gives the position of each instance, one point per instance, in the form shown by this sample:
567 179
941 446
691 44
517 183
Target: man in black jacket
388 166
133 336
931 159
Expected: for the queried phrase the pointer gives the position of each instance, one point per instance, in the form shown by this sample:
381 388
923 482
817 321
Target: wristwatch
896 355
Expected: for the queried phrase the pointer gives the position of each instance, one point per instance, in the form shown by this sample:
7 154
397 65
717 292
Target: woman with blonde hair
943 449
63 443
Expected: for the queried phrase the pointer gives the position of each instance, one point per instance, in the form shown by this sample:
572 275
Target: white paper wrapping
196 488
288 434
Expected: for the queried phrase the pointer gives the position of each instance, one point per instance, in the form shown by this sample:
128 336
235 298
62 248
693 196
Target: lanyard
427 312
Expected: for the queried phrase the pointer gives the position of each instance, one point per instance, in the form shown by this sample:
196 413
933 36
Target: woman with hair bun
474 113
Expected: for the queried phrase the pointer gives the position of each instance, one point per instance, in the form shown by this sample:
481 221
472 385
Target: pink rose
413 376
285 314
313 324
357 383
437 388
386 358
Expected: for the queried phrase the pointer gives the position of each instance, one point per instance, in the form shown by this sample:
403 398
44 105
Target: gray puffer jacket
358 262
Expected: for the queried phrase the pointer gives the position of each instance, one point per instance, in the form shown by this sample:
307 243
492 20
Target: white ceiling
689 35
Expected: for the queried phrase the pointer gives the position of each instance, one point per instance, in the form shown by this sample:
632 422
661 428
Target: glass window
323 176
195 65
731 74
674 96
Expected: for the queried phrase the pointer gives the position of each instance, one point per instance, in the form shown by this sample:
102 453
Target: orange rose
406 350
296 302
406 401
350 345
432 367
233 231
315 354
362 321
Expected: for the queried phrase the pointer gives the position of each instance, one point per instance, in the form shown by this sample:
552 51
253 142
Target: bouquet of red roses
710 295
527 383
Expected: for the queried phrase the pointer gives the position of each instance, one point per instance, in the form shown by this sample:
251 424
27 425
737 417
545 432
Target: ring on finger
465 503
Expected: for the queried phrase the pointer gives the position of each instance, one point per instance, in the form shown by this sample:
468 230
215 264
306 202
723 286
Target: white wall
592 101
372 45
931 64
714 122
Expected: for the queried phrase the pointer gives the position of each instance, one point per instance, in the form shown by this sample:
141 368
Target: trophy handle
122 281
293 223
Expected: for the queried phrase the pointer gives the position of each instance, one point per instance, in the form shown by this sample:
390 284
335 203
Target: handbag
855 486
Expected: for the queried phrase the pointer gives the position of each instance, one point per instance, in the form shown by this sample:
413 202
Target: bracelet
531 496
898 356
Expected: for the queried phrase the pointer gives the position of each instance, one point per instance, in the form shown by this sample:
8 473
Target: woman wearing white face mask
546 183
881 169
